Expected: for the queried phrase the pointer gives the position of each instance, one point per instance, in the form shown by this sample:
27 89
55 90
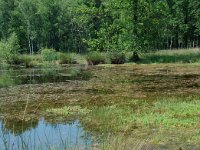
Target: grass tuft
95 58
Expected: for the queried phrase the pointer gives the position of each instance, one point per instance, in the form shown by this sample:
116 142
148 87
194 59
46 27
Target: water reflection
13 77
44 135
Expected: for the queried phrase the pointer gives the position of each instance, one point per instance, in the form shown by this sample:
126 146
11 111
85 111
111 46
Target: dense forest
101 25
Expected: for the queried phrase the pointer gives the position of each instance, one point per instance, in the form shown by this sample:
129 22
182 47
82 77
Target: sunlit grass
165 113
172 56
68 110
170 113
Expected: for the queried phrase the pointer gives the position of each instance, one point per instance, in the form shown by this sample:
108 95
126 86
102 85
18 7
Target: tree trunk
171 43
29 44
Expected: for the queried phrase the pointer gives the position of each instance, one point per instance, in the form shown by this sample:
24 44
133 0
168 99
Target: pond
14 76
100 107
39 134
43 135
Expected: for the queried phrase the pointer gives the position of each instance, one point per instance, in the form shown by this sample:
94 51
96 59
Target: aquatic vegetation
68 110
158 101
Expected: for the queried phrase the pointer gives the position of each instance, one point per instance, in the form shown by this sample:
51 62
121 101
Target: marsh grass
119 142
171 56
30 61
49 57
110 118
95 58
165 113
170 113
71 58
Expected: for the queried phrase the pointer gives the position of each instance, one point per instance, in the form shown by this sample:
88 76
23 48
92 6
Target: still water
46 136
41 134
12 77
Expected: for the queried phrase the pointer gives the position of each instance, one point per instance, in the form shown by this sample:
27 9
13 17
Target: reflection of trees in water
44 75
17 126
54 120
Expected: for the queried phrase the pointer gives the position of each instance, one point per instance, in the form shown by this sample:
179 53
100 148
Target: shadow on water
43 135
13 77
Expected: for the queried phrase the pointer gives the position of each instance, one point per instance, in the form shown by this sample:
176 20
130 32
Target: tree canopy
101 25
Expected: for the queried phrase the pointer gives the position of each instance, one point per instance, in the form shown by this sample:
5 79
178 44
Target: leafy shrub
9 50
15 60
49 54
5 80
117 58
95 58
135 57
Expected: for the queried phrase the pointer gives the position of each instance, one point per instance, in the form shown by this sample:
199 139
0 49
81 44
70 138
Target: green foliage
80 26
135 57
117 58
96 58
171 56
30 61
110 118
49 54
171 113
165 113
9 50
71 58
5 80
65 58
68 58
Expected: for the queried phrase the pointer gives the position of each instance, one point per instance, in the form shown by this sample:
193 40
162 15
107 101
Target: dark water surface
11 77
